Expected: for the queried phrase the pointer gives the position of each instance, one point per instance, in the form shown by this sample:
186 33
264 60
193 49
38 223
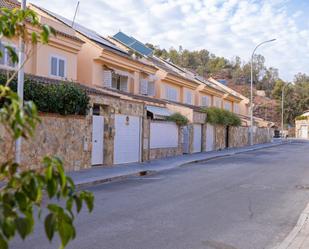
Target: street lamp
282 107
251 90
20 85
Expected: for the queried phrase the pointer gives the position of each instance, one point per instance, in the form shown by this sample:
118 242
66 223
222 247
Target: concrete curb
232 154
148 172
114 178
292 239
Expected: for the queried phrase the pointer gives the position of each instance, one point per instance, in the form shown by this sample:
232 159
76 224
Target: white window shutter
124 83
144 86
107 78
151 88
54 63
61 71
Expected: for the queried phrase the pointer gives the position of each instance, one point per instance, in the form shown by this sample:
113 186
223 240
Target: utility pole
20 85
251 89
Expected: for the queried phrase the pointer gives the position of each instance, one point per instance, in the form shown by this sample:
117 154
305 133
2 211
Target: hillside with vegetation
236 73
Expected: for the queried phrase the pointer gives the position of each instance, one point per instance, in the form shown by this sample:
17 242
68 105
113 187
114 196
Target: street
246 201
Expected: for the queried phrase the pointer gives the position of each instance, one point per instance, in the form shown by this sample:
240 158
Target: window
147 87
171 93
188 99
205 101
217 102
236 108
228 105
5 60
120 82
58 66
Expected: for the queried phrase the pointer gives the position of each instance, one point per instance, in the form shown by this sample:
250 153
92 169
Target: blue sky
224 27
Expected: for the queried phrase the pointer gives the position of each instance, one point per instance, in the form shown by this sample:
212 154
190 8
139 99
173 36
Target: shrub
217 116
62 98
301 118
179 119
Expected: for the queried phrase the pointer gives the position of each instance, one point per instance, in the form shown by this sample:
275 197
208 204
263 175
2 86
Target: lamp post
251 89
282 107
20 84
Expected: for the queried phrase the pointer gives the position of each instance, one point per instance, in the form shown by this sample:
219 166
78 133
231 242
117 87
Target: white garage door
163 135
304 131
197 138
127 139
210 137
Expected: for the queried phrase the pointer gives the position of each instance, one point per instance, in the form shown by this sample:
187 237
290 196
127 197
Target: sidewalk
298 238
96 175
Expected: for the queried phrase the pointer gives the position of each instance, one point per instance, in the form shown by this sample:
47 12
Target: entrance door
127 139
186 140
197 138
227 136
97 140
210 137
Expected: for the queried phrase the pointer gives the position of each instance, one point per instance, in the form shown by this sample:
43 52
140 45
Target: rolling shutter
151 88
171 93
107 78
144 87
205 101
124 83
188 97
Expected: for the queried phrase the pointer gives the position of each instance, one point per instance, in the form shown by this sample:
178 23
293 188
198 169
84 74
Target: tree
23 190
296 97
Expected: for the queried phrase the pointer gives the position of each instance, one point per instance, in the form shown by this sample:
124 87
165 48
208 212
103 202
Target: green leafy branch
179 119
218 116
23 190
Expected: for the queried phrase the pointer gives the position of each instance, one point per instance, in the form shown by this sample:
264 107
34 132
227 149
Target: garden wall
157 153
68 137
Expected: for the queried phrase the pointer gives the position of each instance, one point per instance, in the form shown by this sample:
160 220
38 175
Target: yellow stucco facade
38 57
87 61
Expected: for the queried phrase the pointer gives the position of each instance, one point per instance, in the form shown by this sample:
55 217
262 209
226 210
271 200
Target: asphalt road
247 201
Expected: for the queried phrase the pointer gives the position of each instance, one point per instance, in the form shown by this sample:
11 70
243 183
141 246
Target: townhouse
57 59
132 95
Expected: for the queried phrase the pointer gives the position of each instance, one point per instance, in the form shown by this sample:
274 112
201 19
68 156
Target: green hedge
179 119
217 116
62 98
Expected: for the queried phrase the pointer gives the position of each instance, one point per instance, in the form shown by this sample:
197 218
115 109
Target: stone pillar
180 140
146 139
109 134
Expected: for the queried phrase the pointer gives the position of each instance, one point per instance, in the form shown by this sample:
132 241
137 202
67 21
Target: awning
122 73
159 112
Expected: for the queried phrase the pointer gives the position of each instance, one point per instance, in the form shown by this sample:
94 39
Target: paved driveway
247 201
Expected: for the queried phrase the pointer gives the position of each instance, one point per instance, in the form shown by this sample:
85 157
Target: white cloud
224 27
